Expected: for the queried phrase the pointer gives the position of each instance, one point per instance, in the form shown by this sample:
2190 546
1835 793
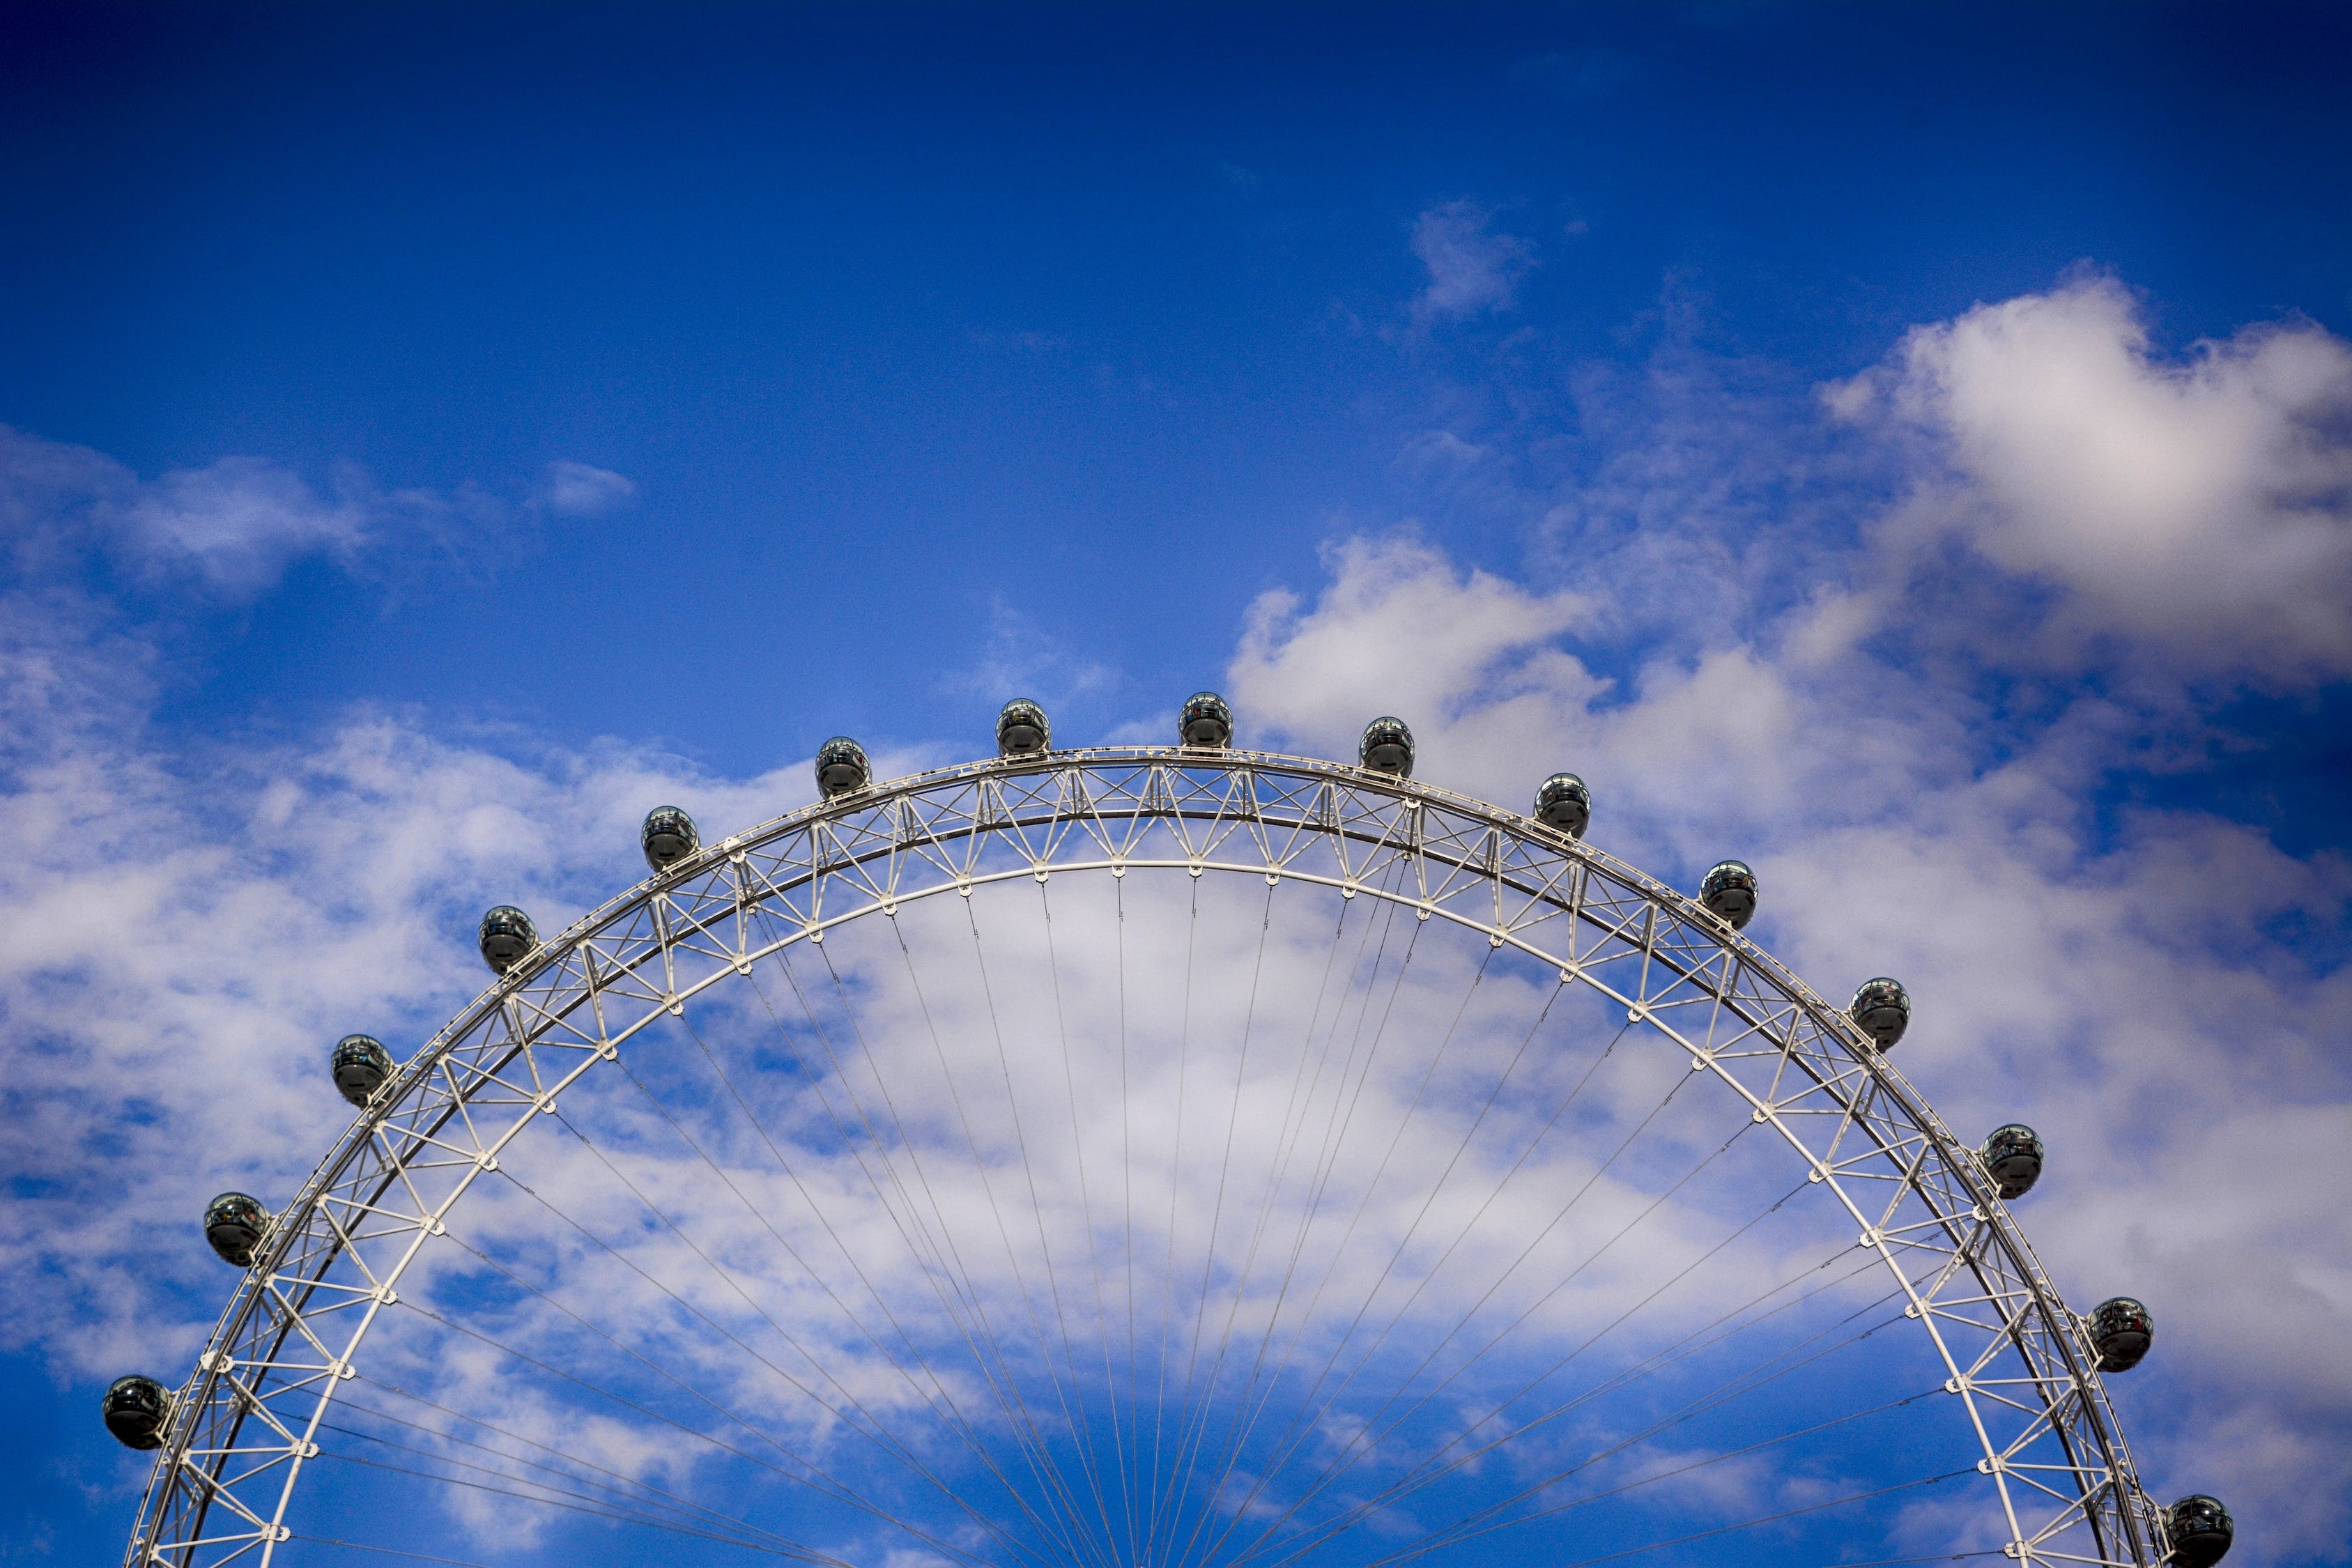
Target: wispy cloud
1473 270
581 490
233 527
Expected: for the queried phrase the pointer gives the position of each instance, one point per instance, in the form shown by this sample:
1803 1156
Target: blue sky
1911 447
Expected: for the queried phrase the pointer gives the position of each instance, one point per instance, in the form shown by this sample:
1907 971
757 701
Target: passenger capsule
1883 1008
2200 1530
235 1223
668 837
136 1409
1728 889
2011 1156
841 766
1387 747
507 936
1206 722
1564 803
361 1065
1022 730
2121 1332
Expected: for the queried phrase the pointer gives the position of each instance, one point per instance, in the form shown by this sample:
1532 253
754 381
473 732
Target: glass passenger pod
668 837
136 1410
2011 1156
1022 730
360 1064
841 767
1729 892
507 936
1387 747
2200 1530
1205 721
1883 1008
1564 803
235 1223
2121 1332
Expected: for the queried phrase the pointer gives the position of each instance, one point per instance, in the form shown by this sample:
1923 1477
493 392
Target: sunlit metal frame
246 1420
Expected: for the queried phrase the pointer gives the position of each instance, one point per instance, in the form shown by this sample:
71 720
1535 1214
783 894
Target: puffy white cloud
2140 998
1472 269
2200 508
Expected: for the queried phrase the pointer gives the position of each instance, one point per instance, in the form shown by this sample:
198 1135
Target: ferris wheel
1148 1157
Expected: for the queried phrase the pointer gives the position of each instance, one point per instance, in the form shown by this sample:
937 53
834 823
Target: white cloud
2199 508
1472 269
2133 999
579 489
183 930
238 521
236 525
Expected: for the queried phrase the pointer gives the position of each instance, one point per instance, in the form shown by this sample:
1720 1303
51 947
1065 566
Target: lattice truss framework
247 1419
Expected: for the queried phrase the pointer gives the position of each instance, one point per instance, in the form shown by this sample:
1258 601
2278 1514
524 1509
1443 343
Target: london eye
1182 1156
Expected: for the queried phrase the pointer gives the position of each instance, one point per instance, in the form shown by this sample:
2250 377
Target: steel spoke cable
1175 1193
938 1393
994 1367
1335 1125
878 1434
1290 1348
1776 1518
851 1497
1356 1446
1557 1366
1420 1093
1027 1436
630 1351
617 1515
1457 1538
1933 1557
1127 1214
1027 1432
618 1482
1659 1361
1485 1522
1562 1215
1462 1147
1696 1343
650 1511
1086 1215
1747 1381
1071 1396
1197 1422
384 1551
957 1277
765 1316
825 1483
940 1400
1306 1420
1408 1483
1298 1111
1293 1125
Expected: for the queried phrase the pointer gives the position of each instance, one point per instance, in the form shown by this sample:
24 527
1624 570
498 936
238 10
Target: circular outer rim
245 1421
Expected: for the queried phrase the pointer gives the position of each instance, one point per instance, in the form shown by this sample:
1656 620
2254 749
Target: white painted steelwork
248 1419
